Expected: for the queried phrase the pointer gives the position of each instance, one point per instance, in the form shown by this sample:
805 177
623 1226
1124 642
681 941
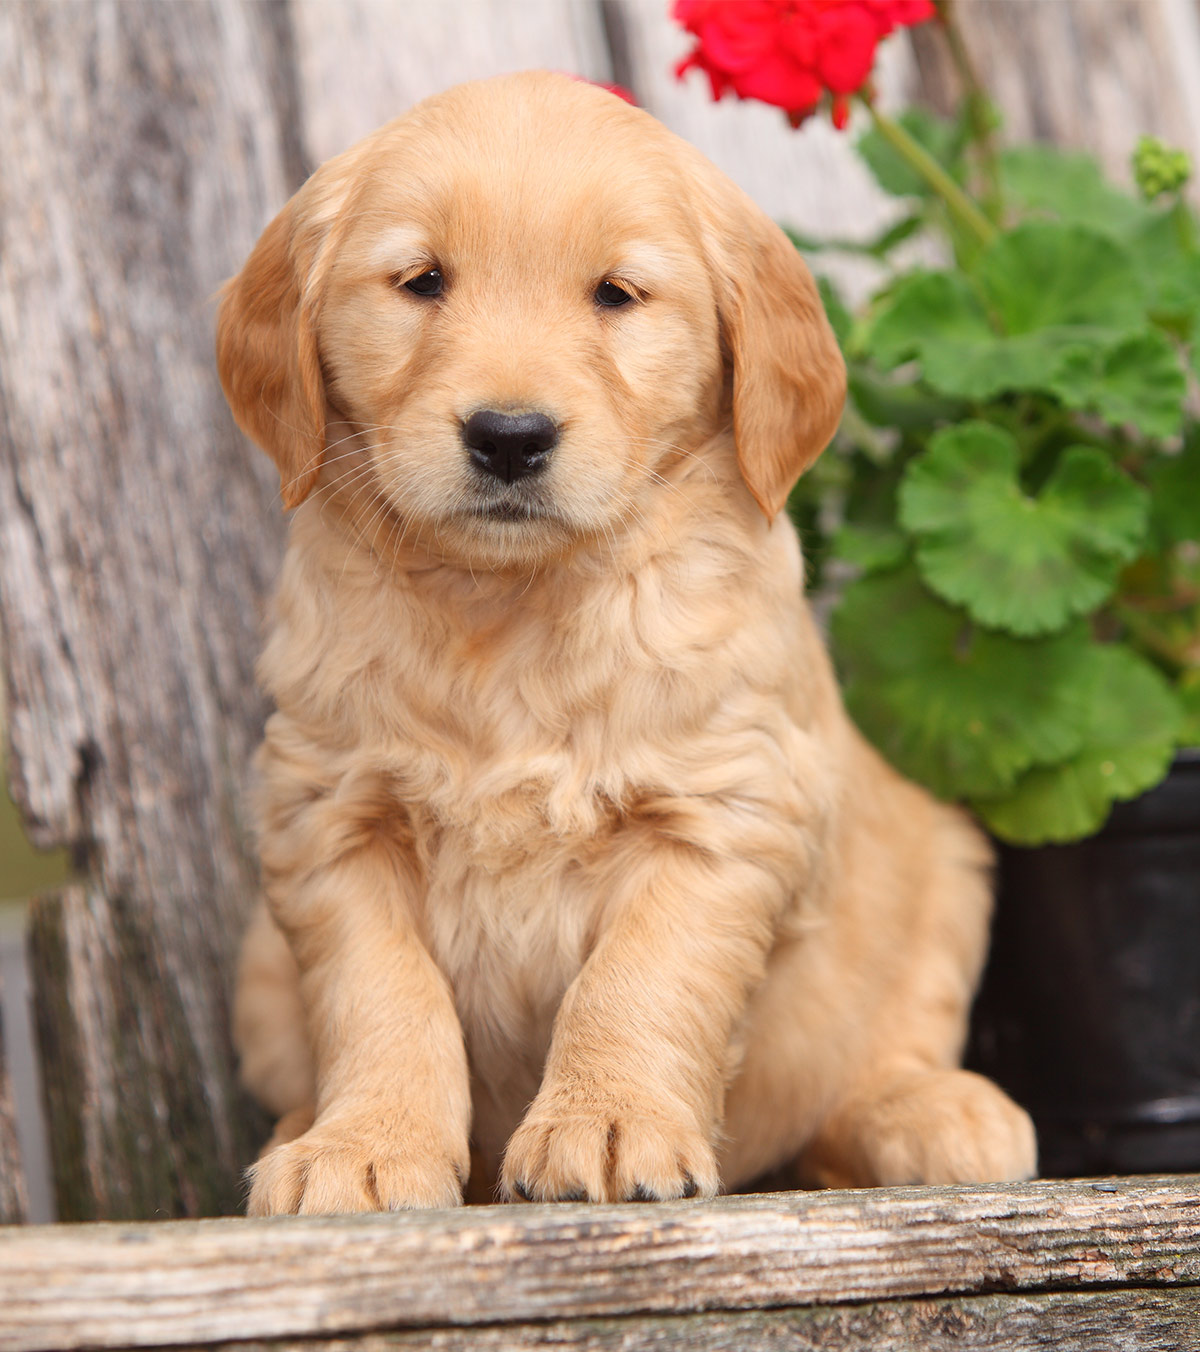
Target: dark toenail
642 1194
522 1191
689 1186
575 1195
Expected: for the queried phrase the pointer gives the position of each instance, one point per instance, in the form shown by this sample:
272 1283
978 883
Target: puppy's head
521 304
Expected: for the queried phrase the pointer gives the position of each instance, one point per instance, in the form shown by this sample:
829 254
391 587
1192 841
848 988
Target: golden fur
576 853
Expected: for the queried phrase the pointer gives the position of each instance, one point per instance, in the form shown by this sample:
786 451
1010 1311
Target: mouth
508 509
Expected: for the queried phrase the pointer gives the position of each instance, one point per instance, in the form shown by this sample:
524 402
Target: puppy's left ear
267 353
789 379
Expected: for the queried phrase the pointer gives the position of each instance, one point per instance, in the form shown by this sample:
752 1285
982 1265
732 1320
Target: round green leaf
1048 275
1046 297
1024 564
1164 250
1131 720
925 307
1137 380
983 367
959 709
1070 186
871 548
937 318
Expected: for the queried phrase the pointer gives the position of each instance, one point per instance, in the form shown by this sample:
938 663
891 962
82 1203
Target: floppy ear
789 379
266 342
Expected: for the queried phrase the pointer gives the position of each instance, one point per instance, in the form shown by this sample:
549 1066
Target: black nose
509 445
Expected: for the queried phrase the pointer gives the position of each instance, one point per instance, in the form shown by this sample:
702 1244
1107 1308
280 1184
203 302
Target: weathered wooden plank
144 146
145 1285
1148 1321
1079 73
13 1194
361 63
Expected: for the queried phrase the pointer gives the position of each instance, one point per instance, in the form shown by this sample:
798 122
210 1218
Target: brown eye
427 284
610 294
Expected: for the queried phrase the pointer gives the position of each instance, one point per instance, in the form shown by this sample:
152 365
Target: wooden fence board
1115 1321
13 1198
144 147
211 1281
361 63
1093 74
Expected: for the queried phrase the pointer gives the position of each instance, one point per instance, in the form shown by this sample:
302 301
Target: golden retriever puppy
576 869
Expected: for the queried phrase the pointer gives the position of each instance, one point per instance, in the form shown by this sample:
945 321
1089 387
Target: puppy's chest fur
525 779
526 737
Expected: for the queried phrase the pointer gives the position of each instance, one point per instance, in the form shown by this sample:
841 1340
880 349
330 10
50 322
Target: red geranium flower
789 52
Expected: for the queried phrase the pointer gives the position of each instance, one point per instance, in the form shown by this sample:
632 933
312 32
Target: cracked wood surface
13 1200
70 1287
1133 1319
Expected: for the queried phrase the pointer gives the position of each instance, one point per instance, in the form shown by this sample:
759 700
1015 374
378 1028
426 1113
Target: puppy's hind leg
269 1029
906 1113
916 1124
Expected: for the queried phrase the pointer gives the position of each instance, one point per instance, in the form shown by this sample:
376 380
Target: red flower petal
848 37
787 52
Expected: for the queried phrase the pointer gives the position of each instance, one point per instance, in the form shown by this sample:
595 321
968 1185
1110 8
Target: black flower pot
1089 1013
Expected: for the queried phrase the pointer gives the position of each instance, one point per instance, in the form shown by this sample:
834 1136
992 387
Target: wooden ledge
178 1283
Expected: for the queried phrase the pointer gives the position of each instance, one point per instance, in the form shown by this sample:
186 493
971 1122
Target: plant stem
921 162
979 114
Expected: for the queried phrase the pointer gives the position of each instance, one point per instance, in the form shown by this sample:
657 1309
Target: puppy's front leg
393 1102
633 1090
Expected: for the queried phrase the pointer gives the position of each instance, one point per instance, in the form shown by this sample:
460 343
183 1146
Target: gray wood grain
1091 74
361 63
144 147
71 1287
13 1194
1148 1321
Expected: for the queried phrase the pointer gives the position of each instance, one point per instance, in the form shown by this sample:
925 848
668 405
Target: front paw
338 1167
591 1147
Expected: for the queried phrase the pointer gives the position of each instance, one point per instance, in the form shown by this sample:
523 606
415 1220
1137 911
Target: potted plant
1008 525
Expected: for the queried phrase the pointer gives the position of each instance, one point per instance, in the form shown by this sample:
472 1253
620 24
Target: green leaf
1175 488
1048 302
1137 380
906 406
1070 186
986 368
873 549
1165 252
959 709
1046 275
878 247
941 138
1020 563
1131 722
925 308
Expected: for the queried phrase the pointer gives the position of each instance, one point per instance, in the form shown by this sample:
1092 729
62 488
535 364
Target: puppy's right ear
267 353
